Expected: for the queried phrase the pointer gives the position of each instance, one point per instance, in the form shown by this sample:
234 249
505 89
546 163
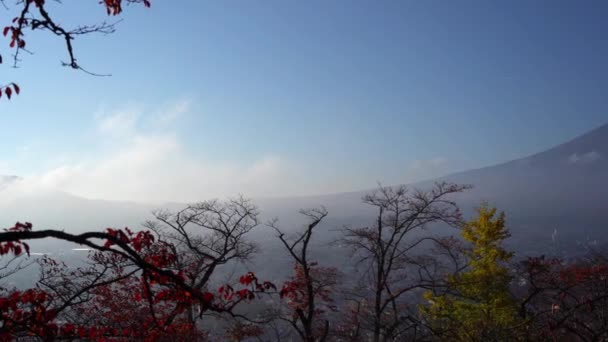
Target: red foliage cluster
322 281
31 313
115 298
16 247
16 32
149 312
568 301
579 274
114 7
26 309
139 240
253 286
128 309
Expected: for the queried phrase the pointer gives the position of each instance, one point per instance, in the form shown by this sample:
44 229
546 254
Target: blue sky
274 98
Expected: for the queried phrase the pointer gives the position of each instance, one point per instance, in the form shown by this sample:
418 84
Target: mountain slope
563 188
568 178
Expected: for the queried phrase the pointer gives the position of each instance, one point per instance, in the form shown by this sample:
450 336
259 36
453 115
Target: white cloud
584 158
149 166
119 123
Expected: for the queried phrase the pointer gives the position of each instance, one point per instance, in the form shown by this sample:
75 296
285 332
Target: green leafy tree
476 304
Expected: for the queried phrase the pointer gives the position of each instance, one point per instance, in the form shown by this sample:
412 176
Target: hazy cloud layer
139 155
151 165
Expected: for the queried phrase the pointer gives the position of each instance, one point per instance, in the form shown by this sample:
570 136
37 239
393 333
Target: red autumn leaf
208 297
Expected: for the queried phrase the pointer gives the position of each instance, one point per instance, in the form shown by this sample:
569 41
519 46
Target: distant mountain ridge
581 146
585 155
573 174
563 188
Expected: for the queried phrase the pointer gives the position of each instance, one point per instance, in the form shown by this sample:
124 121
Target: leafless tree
207 235
387 252
309 291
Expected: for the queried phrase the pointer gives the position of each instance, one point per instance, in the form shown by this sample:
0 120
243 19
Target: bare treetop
386 250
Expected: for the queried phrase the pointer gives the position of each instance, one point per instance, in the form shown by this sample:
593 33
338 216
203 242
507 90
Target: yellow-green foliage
478 306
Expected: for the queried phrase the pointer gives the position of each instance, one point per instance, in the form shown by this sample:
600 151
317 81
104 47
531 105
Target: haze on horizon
285 99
